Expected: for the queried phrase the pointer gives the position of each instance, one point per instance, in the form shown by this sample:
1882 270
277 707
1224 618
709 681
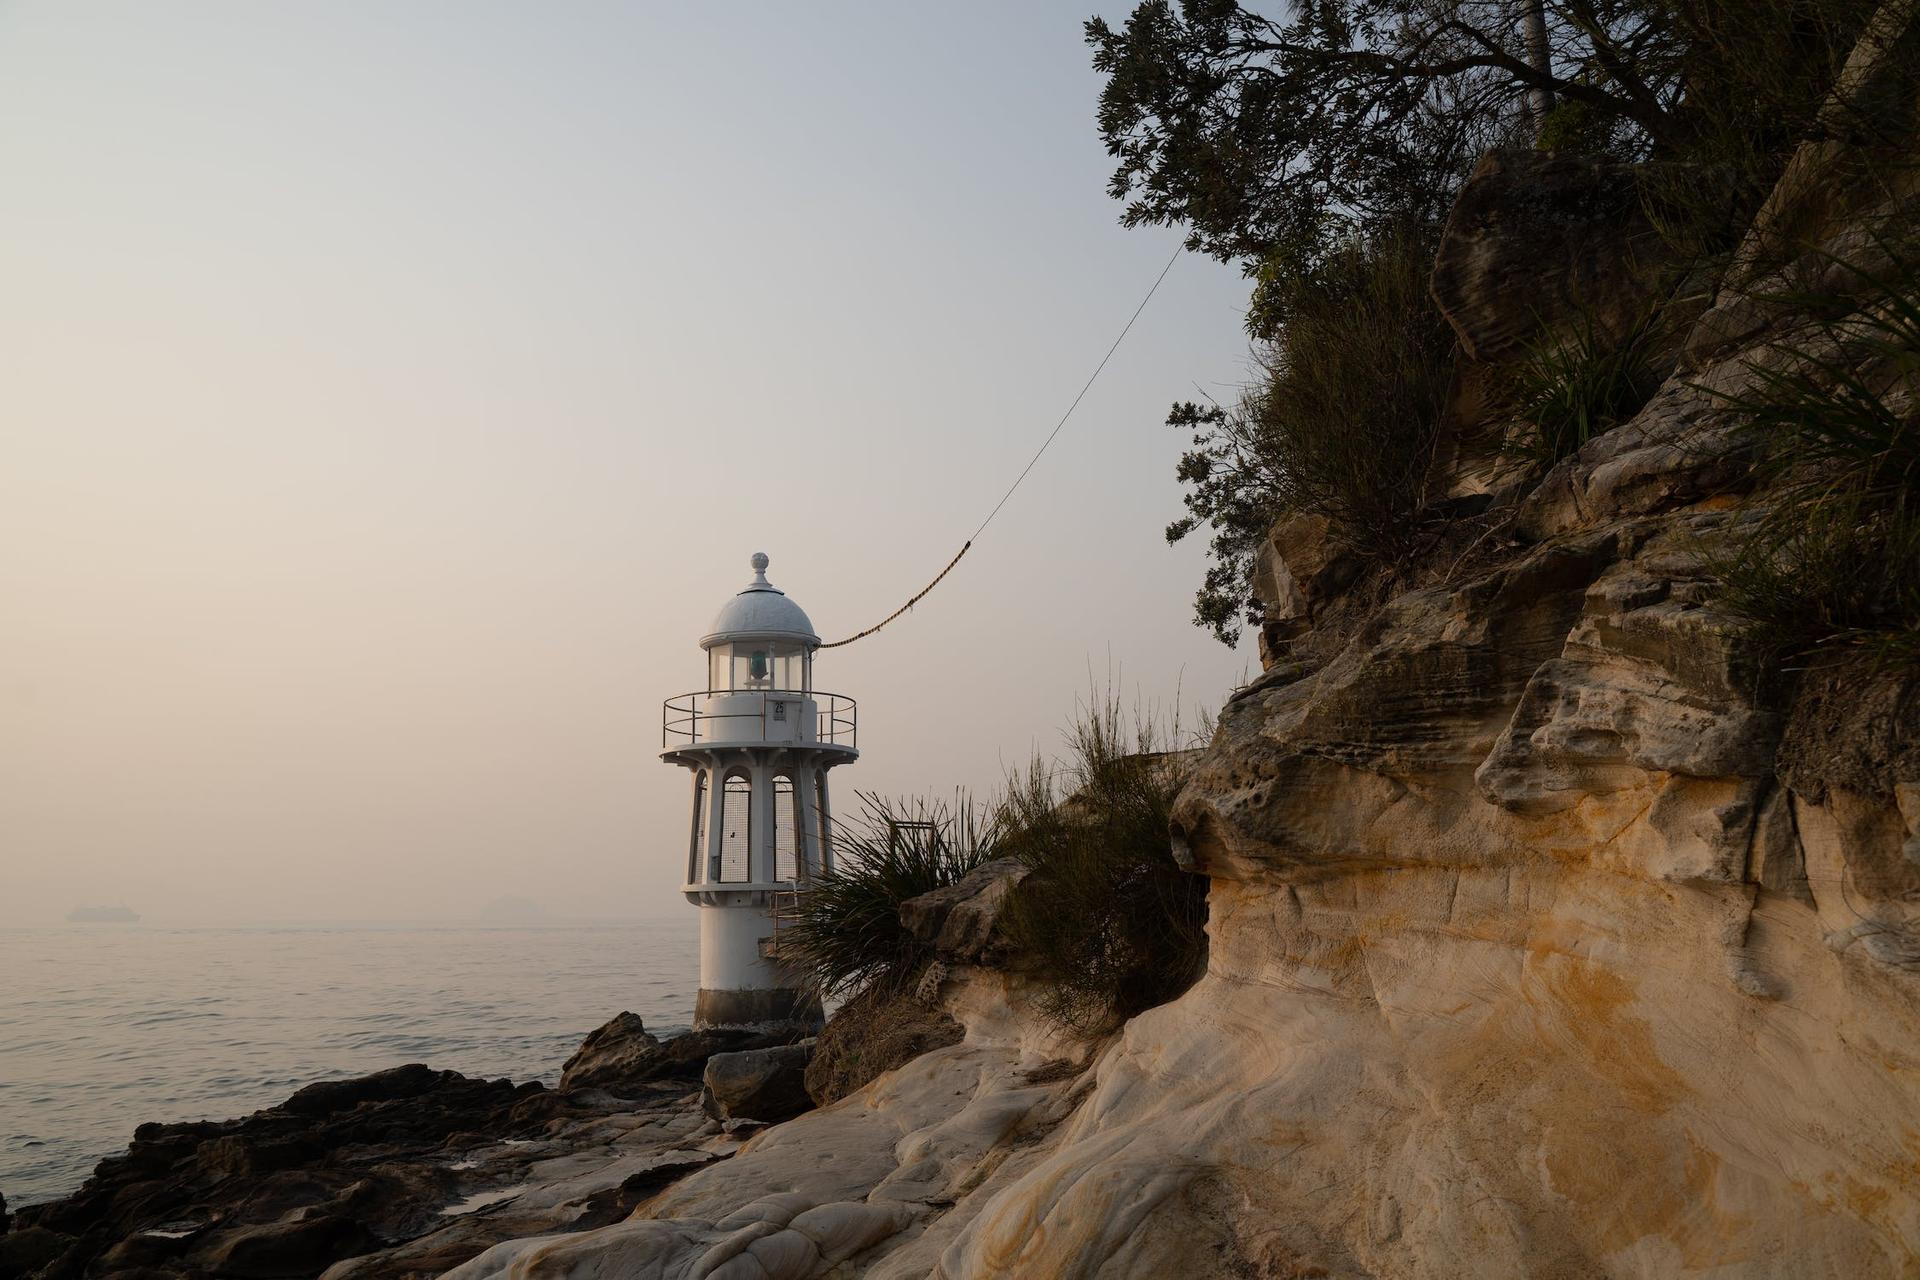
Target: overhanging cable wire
861 635
1031 462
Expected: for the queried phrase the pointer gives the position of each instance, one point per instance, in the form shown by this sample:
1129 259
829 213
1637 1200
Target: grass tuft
1106 920
1572 387
845 931
1832 562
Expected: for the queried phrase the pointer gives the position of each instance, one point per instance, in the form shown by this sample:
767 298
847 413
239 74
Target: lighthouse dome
761 611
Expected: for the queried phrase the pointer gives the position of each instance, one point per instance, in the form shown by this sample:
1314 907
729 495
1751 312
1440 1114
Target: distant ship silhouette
102 915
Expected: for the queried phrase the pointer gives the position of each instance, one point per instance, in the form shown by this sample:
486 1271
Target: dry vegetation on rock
846 932
1105 923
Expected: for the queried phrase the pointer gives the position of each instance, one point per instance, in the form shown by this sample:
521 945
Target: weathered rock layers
1550 937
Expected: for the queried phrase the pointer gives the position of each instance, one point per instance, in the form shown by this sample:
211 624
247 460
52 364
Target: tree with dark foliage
1328 145
1257 133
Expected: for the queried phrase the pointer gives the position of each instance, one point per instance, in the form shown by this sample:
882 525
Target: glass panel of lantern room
789 667
717 669
752 665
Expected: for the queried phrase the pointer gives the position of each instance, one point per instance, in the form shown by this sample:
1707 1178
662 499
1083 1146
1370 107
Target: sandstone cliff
1552 932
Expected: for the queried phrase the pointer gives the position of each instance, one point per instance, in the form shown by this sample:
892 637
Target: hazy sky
391 392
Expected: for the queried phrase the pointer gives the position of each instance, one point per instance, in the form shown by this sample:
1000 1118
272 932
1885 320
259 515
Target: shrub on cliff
1332 139
882 1027
1755 77
1340 422
1288 135
1106 922
845 932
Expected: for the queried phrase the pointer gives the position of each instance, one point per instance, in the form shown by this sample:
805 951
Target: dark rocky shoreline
397 1174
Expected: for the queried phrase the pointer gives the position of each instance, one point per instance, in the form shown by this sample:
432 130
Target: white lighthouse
759 741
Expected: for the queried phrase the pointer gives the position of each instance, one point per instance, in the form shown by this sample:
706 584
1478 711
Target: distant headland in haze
103 915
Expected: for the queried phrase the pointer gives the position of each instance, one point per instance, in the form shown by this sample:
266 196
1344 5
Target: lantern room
760 640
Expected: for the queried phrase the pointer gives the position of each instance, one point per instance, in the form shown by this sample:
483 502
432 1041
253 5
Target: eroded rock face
871 1183
1300 565
1681 450
1606 986
961 921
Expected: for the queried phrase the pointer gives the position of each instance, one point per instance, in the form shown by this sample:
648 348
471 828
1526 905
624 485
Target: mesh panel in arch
786 832
694 870
824 832
736 828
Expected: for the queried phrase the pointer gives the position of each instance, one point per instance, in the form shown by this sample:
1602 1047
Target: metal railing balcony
777 719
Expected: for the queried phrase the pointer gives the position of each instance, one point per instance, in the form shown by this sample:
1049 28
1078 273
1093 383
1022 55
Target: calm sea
103 1027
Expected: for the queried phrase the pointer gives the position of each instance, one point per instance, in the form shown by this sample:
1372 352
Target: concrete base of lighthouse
741 986
766 1010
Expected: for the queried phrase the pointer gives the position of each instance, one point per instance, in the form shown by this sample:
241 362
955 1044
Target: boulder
960 920
624 1059
300 1248
1682 450
757 1084
326 1097
25 1251
1537 240
1299 566
619 1050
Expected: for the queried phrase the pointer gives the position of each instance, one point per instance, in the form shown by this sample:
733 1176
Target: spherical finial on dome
760 611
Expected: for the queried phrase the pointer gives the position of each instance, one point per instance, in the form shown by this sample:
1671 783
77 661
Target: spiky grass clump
1577 385
1833 577
1105 919
845 933
1833 561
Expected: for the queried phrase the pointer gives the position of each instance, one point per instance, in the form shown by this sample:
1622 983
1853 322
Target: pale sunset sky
390 393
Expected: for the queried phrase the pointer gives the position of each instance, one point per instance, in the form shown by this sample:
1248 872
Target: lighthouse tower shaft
759 742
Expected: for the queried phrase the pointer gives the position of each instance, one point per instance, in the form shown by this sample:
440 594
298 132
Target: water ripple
104 1029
